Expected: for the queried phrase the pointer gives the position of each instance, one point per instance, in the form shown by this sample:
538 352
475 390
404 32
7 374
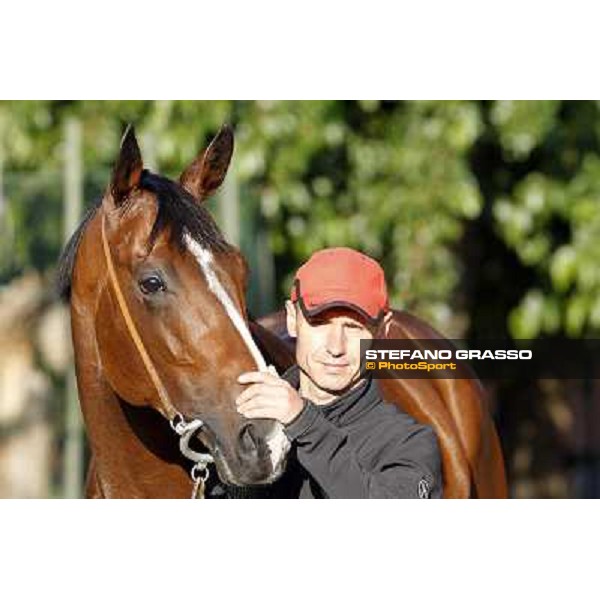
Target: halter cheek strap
167 408
184 428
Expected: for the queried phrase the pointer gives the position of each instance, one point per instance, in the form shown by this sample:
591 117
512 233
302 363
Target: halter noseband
183 428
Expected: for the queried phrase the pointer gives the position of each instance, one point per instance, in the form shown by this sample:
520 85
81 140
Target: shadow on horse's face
184 288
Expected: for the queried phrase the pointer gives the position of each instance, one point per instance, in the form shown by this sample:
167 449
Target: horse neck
128 465
134 451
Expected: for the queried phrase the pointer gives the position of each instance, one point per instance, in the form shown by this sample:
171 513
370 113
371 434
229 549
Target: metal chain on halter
199 472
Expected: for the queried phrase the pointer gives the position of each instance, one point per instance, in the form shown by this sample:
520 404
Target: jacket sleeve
403 458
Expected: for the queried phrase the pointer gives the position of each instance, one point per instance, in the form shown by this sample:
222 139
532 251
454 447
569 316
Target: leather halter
184 428
167 408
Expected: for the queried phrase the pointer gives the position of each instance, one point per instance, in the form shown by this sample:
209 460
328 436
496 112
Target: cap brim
317 310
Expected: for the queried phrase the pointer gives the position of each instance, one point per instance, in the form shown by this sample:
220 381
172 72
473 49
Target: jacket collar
349 406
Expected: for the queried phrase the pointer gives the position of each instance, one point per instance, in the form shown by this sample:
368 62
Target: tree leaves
398 180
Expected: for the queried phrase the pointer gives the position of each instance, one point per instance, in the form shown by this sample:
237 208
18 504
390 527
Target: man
347 443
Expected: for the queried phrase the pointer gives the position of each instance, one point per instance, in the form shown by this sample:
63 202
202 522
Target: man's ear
204 176
127 170
291 319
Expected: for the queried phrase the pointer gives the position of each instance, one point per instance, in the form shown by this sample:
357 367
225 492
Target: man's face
328 348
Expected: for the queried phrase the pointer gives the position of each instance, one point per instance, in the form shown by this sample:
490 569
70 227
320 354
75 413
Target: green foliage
402 181
523 125
391 179
550 215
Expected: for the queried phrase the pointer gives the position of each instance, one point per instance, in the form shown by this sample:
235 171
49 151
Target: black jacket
356 447
360 447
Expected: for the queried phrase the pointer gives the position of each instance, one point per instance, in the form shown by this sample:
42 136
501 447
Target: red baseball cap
341 277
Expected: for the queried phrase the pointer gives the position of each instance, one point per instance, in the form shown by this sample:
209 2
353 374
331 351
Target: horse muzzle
258 455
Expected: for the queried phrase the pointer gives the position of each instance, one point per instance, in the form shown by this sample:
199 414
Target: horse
160 332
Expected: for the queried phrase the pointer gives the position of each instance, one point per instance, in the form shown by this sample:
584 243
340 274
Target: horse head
167 277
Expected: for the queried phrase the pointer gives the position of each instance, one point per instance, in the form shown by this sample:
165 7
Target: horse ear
207 172
128 168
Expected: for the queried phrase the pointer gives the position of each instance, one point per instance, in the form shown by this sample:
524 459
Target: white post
73 194
148 144
229 208
2 197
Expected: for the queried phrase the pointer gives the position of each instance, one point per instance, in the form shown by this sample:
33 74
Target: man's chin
336 385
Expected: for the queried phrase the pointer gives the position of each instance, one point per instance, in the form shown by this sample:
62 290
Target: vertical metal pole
266 273
73 194
148 143
2 205
6 227
229 208
6 238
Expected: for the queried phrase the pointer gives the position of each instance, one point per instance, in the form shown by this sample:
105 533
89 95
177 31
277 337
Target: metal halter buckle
185 430
200 472
177 423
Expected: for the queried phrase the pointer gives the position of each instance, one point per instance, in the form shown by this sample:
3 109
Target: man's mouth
335 366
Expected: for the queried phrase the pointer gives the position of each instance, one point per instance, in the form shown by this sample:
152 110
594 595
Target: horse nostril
248 439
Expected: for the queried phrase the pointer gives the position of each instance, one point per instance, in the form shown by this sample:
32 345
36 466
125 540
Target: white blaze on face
278 442
205 260
279 445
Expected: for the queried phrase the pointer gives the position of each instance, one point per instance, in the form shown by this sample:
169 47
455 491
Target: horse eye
152 284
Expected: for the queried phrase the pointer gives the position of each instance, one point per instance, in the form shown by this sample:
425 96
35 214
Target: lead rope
183 428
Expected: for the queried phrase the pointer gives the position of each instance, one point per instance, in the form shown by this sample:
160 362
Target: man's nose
336 341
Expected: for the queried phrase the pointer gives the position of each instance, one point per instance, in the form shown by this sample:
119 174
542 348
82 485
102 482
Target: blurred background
484 215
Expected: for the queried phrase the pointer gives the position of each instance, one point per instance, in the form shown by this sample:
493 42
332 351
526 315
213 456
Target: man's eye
317 321
152 285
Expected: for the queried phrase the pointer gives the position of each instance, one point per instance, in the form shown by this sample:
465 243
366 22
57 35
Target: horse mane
66 262
177 209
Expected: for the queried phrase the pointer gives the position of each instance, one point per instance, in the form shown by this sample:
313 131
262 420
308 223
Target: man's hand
268 397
